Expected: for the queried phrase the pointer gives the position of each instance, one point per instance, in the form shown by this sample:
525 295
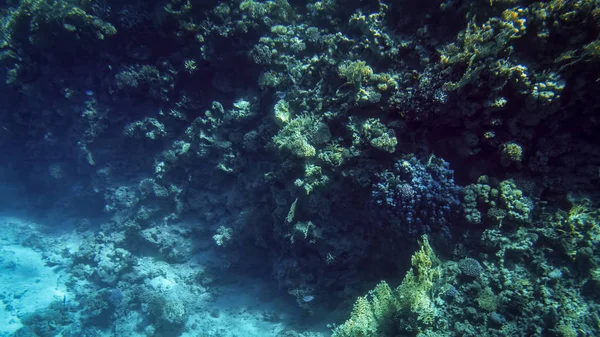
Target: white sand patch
246 309
26 283
243 306
230 305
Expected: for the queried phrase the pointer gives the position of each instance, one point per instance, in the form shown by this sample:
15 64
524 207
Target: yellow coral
361 322
512 152
282 113
386 82
372 312
355 72
384 302
487 300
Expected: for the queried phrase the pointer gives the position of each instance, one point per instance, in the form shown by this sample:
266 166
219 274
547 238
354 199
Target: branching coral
375 314
297 136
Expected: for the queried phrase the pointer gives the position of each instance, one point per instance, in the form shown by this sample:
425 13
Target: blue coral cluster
417 196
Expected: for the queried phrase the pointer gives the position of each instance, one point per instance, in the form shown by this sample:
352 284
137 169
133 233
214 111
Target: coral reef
418 196
315 143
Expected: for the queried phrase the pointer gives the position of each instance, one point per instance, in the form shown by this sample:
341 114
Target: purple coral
418 196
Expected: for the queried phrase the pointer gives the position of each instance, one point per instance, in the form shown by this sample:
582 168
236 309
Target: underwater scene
284 168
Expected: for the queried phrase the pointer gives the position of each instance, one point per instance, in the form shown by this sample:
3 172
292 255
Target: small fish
89 92
308 298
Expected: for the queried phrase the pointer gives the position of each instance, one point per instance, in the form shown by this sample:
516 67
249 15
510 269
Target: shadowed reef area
336 168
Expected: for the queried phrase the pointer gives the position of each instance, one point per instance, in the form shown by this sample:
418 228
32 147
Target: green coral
487 300
577 229
242 109
474 194
313 178
383 302
362 322
415 292
503 201
297 144
371 313
511 153
479 43
282 113
255 10
279 10
355 72
302 134
374 314
379 136
517 205
386 142
374 132
333 155
366 85
386 82
270 79
279 30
